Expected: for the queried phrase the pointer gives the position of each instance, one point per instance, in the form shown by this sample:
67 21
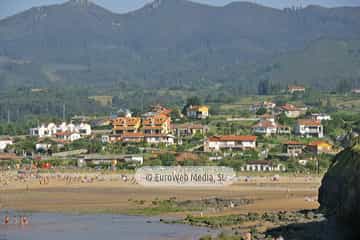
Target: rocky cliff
339 194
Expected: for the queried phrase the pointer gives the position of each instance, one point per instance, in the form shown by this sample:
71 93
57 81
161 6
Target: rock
339 194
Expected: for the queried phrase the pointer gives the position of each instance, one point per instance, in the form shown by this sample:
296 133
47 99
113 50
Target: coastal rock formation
339 194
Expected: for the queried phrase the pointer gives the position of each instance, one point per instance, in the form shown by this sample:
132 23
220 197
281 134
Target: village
269 137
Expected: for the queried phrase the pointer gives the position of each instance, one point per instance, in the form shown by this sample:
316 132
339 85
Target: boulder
339 194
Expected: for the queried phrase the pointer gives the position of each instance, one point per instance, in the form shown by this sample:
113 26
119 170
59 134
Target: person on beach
6 220
25 221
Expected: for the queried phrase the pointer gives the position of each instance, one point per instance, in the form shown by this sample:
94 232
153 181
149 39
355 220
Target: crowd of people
12 177
15 220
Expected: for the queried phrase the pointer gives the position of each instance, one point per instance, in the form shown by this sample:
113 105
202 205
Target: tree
167 159
343 86
261 111
191 101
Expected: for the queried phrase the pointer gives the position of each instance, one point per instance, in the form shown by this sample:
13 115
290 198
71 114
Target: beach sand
112 195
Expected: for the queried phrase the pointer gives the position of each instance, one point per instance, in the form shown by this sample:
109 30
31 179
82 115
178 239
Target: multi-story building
293 148
157 124
309 128
123 125
197 112
229 142
188 129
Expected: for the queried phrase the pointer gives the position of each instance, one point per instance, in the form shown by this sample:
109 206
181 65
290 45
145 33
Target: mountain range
178 43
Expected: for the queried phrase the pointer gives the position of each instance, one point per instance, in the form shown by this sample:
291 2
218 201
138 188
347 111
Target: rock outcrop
339 194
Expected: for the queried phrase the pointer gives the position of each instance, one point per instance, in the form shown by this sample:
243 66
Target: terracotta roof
157 135
133 135
158 119
289 107
232 138
309 122
59 134
265 124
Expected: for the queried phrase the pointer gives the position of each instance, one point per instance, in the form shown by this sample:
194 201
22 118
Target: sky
10 7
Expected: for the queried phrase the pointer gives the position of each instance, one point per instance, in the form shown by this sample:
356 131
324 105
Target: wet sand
116 196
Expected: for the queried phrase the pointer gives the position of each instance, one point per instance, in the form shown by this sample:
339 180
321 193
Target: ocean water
44 226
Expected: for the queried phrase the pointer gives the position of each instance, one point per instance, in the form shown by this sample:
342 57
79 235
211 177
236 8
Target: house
270 127
267 117
229 142
309 128
318 147
283 129
197 112
263 166
296 89
291 111
83 129
42 146
137 137
320 117
293 148
159 109
266 105
265 128
68 136
157 124
166 139
188 129
52 129
123 125
4 142
355 91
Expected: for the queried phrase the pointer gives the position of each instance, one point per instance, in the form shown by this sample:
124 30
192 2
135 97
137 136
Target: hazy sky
10 7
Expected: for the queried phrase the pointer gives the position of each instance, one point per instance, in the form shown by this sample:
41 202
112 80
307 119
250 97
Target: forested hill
178 43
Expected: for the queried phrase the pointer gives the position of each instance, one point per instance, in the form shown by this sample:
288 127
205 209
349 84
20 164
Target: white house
292 111
68 136
231 142
197 112
320 116
309 128
263 166
159 138
266 105
4 143
42 146
52 129
296 89
265 127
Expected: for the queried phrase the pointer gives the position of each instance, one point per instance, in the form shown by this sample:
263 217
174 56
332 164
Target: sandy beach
110 193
